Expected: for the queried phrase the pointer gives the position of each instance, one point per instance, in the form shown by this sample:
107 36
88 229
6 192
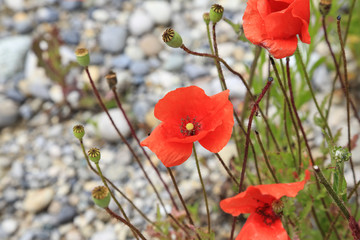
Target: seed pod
172 38
216 13
325 6
79 131
101 196
111 79
94 155
82 56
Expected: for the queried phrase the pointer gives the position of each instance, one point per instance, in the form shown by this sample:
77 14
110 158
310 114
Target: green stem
307 78
203 188
331 192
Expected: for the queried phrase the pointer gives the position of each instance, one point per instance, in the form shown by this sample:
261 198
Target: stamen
189 127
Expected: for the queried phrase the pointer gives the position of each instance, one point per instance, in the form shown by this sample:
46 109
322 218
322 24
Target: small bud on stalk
324 7
111 79
216 13
82 56
172 38
101 196
94 155
206 17
78 131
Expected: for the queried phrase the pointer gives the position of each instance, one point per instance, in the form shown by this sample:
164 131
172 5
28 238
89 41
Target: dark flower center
189 127
267 213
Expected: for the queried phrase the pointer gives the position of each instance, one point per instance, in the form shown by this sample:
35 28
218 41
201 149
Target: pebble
174 62
38 199
15 5
100 15
134 52
9 112
47 14
151 45
112 38
195 71
105 128
12 52
66 214
23 23
71 5
140 68
160 11
122 61
71 37
140 22
9 226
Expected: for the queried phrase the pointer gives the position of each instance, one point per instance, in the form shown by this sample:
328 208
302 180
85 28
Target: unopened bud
206 17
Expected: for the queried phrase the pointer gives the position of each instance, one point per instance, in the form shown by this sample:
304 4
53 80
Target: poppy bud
111 79
82 56
216 13
172 38
206 17
94 155
101 196
324 7
277 207
78 131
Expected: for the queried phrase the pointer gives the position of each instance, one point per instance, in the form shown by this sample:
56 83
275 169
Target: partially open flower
172 38
101 196
216 13
82 56
78 131
265 208
94 155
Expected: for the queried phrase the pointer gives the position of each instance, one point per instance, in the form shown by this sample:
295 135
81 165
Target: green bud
94 155
101 196
79 131
206 17
341 154
111 79
216 13
172 38
82 56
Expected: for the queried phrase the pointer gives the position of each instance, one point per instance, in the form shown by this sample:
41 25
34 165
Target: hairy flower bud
172 38
216 13
82 56
206 17
101 196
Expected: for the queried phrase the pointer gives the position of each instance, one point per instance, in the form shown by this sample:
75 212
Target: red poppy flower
263 203
189 115
275 24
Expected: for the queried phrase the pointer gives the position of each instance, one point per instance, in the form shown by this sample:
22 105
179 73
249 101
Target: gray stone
17 170
174 62
66 214
96 58
71 5
151 44
108 234
140 109
195 71
140 22
112 38
15 5
122 61
9 112
23 23
140 68
12 52
100 15
47 14
71 37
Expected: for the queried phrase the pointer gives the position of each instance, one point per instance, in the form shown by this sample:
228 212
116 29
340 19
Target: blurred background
45 184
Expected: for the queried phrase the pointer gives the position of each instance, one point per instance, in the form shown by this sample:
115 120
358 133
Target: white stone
106 129
38 199
140 22
9 226
160 11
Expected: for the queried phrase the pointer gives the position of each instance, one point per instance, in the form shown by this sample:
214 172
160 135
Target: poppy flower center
267 213
189 127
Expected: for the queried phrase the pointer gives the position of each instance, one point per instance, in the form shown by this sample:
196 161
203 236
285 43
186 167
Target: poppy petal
216 140
282 25
253 23
181 103
281 48
170 153
301 10
245 202
283 189
256 229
